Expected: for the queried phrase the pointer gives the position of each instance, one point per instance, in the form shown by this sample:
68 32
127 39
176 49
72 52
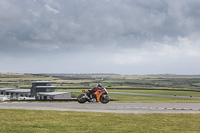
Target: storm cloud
87 36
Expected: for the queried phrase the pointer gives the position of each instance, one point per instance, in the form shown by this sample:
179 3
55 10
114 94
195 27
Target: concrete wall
63 96
56 97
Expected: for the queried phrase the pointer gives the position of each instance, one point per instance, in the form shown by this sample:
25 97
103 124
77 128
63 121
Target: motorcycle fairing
98 94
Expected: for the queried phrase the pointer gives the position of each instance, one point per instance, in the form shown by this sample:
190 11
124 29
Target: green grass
148 99
26 79
30 121
155 99
23 82
160 92
131 81
157 92
122 83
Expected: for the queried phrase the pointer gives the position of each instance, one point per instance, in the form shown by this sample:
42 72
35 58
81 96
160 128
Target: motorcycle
100 95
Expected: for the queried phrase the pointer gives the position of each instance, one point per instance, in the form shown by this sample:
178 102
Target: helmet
99 85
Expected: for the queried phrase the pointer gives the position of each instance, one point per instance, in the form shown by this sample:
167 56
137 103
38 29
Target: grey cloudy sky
100 36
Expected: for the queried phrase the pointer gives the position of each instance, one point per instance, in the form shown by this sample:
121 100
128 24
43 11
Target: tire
81 98
104 99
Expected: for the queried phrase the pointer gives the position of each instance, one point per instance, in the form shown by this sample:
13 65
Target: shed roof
52 93
3 89
51 87
19 90
42 82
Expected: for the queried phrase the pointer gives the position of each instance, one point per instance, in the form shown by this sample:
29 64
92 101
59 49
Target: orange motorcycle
100 95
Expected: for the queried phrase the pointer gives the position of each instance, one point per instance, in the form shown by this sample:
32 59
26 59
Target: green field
178 85
29 121
158 92
119 81
147 99
154 99
150 99
33 121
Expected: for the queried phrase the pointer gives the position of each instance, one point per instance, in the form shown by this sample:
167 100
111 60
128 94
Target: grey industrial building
54 95
18 92
15 92
3 90
41 86
40 90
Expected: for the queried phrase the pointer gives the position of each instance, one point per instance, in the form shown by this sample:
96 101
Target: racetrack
110 107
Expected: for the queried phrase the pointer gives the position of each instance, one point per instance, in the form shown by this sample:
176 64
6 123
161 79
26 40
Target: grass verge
32 121
149 99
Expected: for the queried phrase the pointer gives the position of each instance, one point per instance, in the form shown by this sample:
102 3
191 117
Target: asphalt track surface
136 108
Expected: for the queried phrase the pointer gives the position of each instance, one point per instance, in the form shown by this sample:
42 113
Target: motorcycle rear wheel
105 98
81 98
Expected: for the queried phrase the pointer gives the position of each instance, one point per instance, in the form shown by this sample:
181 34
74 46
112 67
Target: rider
92 90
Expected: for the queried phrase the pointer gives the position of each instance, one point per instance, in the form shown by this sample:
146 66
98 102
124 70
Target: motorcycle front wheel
104 98
81 98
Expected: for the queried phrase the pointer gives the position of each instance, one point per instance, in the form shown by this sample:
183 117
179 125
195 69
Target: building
41 86
15 92
18 93
4 97
54 95
42 90
3 90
